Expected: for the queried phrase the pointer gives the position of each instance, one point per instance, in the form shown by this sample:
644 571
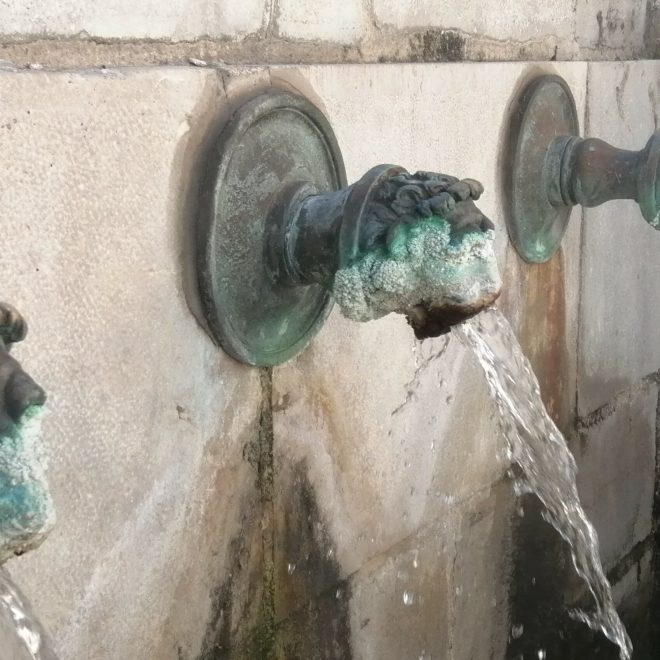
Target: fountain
26 506
280 236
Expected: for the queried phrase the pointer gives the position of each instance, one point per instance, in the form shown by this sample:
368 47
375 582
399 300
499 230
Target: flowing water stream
21 635
546 466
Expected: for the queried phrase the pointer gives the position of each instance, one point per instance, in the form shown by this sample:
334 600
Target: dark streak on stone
628 561
262 610
652 32
235 629
242 624
437 45
266 476
312 599
601 29
594 418
412 385
636 609
654 104
620 90
655 630
540 290
545 588
219 638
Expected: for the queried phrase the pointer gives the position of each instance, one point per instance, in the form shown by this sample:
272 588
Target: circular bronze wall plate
545 111
271 142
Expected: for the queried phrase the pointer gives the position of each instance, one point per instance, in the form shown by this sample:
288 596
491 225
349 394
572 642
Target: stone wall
350 503
294 31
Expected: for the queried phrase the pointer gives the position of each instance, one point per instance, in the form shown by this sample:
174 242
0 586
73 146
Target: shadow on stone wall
283 596
544 589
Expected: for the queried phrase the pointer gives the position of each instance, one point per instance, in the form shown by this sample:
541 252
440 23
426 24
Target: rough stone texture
200 510
148 417
618 314
377 461
326 21
572 27
130 19
616 474
386 460
66 33
433 585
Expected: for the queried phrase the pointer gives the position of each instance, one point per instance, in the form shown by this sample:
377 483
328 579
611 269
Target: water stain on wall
282 597
311 598
537 297
437 45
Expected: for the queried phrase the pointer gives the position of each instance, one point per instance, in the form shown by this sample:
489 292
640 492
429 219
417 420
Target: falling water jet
546 466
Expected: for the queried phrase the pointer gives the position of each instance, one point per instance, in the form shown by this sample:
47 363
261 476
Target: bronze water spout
549 169
26 505
591 172
281 236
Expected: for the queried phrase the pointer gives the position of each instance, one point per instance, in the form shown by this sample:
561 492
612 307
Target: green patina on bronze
272 142
277 222
26 506
548 169
421 262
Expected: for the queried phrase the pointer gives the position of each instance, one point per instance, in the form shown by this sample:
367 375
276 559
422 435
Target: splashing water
21 635
548 469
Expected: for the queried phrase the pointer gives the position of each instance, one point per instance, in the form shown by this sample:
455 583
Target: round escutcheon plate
271 143
545 111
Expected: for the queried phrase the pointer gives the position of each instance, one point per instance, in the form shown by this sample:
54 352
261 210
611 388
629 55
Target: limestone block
603 24
516 20
434 585
128 19
616 475
611 24
326 21
148 417
384 430
403 30
619 314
